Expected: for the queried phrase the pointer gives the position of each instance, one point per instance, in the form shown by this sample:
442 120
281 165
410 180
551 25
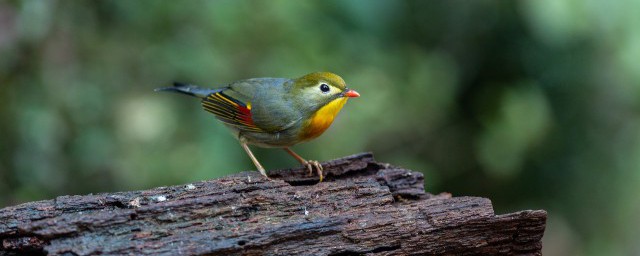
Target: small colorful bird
275 112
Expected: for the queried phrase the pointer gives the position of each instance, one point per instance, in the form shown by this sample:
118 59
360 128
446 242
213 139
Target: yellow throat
322 119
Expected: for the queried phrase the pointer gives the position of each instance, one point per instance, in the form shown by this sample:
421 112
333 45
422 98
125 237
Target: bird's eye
324 88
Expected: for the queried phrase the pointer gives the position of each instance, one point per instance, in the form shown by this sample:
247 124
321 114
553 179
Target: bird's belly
272 140
281 139
300 131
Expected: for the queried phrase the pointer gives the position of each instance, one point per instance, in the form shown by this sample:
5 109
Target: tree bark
362 208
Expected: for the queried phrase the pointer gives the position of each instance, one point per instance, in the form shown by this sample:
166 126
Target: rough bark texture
363 208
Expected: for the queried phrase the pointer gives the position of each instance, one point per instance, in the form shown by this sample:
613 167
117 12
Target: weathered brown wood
363 208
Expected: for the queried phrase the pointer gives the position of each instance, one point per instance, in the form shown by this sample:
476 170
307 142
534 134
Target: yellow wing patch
230 111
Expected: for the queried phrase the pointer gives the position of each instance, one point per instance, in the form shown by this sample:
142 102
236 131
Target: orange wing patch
231 111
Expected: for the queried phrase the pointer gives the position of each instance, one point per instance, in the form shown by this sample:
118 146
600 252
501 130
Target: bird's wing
270 113
231 111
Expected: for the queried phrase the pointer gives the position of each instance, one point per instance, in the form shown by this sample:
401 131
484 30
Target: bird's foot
312 164
264 173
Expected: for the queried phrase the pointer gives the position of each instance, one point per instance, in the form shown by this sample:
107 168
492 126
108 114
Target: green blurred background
534 104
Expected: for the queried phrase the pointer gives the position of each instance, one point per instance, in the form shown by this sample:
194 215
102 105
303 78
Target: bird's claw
310 164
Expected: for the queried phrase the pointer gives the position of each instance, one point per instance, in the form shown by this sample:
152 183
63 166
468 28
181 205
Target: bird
275 112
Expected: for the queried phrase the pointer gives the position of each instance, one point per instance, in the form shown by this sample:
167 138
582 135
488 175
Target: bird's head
320 95
322 88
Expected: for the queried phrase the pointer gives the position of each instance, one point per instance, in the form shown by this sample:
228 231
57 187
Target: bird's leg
307 163
253 158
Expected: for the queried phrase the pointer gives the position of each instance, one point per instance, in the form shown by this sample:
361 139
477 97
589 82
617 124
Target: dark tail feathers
187 89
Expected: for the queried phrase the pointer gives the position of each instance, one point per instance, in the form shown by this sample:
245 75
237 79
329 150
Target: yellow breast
322 119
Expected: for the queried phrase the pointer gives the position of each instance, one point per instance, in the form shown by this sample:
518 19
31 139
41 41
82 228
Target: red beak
351 94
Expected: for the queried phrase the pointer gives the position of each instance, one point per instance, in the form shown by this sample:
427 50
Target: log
362 208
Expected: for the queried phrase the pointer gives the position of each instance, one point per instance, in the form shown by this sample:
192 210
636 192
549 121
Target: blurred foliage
534 104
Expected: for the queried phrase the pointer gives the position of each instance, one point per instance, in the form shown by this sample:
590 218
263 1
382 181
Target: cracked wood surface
363 208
